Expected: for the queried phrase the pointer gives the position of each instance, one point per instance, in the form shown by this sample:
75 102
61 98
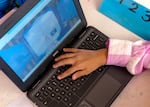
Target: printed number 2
134 8
146 18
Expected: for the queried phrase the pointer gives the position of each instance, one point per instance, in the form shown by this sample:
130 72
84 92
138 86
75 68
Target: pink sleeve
135 56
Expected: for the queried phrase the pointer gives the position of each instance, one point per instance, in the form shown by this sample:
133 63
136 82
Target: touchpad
103 91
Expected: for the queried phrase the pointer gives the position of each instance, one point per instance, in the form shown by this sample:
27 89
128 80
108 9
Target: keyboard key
41 98
69 94
45 103
74 89
62 92
53 94
65 99
46 93
57 90
43 88
50 88
67 88
59 98
61 85
48 82
37 94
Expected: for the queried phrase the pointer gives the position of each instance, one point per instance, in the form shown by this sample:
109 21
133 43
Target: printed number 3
146 18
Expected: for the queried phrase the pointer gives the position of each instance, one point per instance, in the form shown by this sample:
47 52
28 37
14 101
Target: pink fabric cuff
119 52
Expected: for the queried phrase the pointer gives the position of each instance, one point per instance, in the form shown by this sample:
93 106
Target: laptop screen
29 42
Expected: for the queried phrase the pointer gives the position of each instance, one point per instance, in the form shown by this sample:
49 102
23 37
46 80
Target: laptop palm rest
102 93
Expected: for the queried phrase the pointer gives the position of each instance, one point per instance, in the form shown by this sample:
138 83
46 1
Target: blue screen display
26 45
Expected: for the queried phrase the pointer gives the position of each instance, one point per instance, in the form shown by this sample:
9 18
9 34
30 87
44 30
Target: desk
135 94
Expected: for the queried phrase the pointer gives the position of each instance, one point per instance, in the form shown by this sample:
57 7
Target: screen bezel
24 86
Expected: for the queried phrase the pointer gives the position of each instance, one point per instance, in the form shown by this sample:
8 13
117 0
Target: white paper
145 3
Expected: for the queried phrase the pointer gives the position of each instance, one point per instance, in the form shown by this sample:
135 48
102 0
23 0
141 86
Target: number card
130 14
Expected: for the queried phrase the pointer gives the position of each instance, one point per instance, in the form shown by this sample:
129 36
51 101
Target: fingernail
54 66
58 77
74 77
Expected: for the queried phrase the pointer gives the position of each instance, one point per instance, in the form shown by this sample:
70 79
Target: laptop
31 39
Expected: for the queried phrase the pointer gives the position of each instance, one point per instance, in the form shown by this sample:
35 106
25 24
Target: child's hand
83 61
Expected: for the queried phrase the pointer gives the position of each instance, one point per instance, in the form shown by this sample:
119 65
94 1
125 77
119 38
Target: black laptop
35 34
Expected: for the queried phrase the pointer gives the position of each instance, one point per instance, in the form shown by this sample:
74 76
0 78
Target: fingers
68 72
73 50
63 62
70 59
78 74
75 76
65 59
70 50
64 56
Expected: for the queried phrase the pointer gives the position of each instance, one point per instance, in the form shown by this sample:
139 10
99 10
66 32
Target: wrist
103 55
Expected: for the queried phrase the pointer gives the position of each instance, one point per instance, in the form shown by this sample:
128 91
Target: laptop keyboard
94 41
66 93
